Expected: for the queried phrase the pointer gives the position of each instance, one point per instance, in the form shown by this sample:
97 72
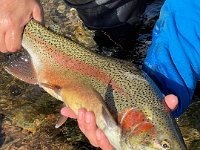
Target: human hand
87 123
14 15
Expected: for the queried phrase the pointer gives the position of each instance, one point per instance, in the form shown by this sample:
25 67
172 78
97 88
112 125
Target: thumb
171 101
38 13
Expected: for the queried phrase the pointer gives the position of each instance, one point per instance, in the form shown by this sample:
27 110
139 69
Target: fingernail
98 135
62 111
88 118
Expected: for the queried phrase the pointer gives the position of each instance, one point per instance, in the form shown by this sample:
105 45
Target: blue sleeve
173 59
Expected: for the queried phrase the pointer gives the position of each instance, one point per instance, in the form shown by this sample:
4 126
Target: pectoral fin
112 130
109 119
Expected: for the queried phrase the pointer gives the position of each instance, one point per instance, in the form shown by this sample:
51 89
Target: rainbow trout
126 103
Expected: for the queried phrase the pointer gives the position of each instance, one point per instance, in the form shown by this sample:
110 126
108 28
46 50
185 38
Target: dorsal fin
22 68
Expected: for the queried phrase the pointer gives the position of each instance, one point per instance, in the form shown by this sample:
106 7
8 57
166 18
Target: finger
38 13
90 128
13 39
84 126
171 101
66 111
81 119
102 140
3 48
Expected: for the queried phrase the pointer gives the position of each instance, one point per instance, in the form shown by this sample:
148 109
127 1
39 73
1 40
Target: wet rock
195 145
14 90
61 8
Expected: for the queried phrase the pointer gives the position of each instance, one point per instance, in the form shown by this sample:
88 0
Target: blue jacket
173 59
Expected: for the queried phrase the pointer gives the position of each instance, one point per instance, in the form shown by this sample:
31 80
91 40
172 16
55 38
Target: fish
127 104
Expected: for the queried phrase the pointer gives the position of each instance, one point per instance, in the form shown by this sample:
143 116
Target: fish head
142 133
168 135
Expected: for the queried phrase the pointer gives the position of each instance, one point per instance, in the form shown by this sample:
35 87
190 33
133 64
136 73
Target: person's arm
173 59
87 123
14 15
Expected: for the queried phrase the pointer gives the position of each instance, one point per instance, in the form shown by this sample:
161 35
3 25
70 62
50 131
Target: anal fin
61 121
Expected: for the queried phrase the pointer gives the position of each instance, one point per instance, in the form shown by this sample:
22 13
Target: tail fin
22 68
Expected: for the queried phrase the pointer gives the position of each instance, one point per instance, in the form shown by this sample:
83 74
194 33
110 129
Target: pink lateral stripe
86 69
77 65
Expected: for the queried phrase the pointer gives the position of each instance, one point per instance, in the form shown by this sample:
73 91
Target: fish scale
107 86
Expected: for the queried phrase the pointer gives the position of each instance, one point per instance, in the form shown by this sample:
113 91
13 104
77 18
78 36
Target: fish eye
165 144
